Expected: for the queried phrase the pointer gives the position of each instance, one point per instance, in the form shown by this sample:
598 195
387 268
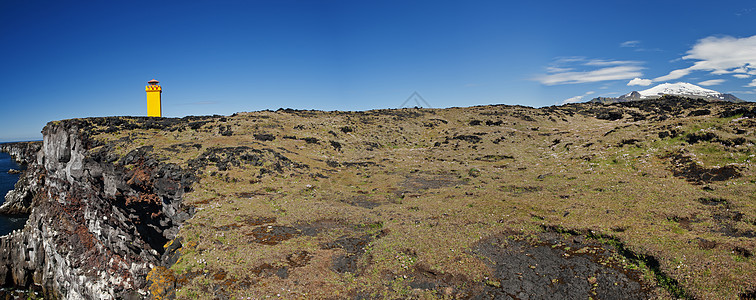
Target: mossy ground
309 204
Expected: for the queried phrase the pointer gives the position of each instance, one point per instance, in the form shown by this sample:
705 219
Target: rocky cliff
22 152
97 224
18 200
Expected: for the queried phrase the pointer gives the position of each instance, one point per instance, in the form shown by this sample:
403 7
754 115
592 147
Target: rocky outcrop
97 222
18 200
23 153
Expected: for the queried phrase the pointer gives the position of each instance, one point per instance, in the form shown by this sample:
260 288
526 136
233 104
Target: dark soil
272 234
726 217
362 201
354 248
323 225
706 244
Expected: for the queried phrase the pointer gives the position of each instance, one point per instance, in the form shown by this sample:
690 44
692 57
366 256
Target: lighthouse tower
154 108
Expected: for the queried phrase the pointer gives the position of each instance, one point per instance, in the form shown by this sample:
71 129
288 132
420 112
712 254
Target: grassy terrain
399 203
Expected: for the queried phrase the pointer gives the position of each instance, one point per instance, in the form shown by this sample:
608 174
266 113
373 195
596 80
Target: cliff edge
96 225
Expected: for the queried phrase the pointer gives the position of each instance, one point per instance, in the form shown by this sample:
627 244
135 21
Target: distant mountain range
682 89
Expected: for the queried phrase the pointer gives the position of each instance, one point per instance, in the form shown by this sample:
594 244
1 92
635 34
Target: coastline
7 182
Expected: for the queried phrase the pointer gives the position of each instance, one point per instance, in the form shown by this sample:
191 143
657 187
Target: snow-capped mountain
679 89
682 89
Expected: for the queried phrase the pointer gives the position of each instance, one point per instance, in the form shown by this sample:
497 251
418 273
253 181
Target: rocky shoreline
22 152
18 200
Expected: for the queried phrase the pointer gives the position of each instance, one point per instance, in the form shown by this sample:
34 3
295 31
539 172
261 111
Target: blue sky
69 59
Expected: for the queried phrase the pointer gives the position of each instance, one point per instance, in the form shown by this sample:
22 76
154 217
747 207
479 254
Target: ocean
7 181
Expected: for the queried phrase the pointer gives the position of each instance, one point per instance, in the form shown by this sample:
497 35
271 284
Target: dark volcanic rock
609 115
468 138
684 167
22 152
555 268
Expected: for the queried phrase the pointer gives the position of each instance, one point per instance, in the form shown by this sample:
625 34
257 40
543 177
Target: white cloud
580 69
630 44
602 62
741 76
558 69
711 82
577 98
639 81
741 70
673 75
603 74
720 55
569 59
752 84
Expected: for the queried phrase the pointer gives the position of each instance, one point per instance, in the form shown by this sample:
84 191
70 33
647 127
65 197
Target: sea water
7 181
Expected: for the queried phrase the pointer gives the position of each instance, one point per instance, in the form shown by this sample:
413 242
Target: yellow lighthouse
154 108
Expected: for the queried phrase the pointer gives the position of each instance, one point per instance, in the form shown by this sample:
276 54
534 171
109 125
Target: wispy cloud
741 76
604 74
558 69
602 62
674 75
719 55
752 84
639 81
572 70
711 82
577 98
744 12
637 46
569 59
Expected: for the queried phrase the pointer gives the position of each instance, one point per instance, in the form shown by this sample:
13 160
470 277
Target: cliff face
97 224
18 200
22 152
